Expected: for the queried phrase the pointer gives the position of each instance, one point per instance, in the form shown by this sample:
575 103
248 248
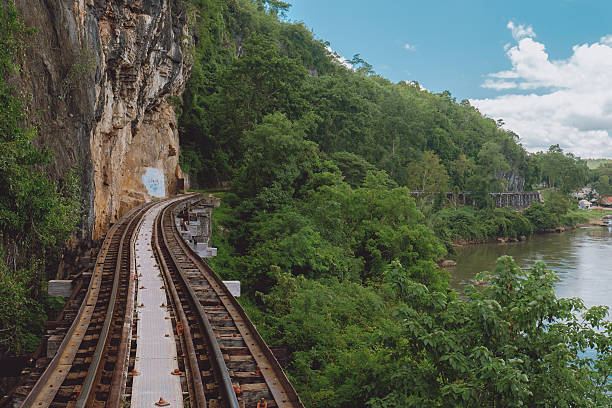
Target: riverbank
450 260
579 256
501 230
593 215
491 240
505 240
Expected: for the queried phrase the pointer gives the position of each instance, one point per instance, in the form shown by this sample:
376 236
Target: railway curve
223 361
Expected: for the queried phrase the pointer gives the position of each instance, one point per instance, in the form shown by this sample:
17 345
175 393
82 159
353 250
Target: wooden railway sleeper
276 382
96 371
195 373
217 356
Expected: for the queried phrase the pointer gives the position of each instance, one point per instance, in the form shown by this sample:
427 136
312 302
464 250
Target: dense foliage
248 64
556 169
321 226
36 215
602 180
510 344
469 223
344 278
337 253
401 344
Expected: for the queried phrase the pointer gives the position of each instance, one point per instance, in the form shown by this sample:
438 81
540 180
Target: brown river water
582 257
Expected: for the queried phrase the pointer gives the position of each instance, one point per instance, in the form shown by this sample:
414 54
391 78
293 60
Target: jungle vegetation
37 216
250 63
338 259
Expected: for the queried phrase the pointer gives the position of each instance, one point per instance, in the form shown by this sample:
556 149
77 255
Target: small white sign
234 287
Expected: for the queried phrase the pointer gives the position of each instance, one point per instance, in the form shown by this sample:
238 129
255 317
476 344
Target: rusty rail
227 362
266 366
195 376
45 390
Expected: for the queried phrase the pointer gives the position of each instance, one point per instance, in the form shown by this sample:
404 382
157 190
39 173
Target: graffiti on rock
154 181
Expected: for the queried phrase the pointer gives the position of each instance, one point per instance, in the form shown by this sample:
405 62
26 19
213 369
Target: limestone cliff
514 181
98 77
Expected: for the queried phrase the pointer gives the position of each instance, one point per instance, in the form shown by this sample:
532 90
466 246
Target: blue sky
456 43
461 45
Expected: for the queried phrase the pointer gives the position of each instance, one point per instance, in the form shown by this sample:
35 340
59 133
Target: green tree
603 186
275 6
491 159
354 168
21 316
513 344
460 170
277 163
37 215
564 171
428 176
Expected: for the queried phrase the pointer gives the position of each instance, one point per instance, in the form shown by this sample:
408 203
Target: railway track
224 361
224 351
88 363
39 361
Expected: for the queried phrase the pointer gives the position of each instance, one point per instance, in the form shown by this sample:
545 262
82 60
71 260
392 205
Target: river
582 257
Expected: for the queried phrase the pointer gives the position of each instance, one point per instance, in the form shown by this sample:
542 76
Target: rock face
99 76
514 181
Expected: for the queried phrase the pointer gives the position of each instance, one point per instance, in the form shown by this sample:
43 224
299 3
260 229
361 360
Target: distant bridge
518 200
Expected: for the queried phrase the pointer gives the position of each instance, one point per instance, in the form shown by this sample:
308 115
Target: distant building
584 204
606 201
585 192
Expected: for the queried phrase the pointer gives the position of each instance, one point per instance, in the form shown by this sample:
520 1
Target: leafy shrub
37 215
507 222
21 316
538 215
470 223
572 219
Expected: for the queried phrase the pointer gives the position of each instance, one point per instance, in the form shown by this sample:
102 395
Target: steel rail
54 374
85 396
217 356
192 358
49 324
120 374
284 395
47 386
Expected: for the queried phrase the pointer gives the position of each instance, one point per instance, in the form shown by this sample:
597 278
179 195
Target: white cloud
569 101
607 39
410 47
499 85
520 31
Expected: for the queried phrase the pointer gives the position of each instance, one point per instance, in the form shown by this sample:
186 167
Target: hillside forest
318 159
337 256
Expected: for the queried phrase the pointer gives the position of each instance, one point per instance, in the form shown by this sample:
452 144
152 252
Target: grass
591 214
596 163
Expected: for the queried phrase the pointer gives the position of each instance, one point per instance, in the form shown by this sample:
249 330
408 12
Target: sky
543 66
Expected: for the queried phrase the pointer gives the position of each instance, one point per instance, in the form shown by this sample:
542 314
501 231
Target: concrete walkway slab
156 355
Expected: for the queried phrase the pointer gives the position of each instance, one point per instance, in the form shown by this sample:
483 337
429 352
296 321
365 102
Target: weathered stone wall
97 77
